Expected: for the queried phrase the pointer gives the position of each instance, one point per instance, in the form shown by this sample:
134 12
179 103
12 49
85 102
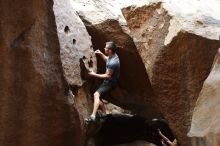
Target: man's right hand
101 54
98 52
91 73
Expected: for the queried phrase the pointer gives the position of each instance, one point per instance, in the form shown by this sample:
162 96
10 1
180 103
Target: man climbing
110 77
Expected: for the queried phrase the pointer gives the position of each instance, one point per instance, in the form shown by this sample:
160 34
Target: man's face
107 51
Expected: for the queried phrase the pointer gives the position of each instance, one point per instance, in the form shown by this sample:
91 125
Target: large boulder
75 51
205 120
75 42
174 45
39 65
178 49
134 85
166 51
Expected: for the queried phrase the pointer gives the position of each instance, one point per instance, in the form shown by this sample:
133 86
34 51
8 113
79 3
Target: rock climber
166 140
111 77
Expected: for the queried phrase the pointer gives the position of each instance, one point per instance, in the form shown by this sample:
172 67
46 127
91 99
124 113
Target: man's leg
96 103
102 107
102 90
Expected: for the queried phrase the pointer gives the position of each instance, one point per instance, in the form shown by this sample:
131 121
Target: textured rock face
166 52
130 92
205 120
177 56
75 42
75 45
98 11
35 105
176 45
134 84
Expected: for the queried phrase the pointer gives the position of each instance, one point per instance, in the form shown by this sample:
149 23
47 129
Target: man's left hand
92 73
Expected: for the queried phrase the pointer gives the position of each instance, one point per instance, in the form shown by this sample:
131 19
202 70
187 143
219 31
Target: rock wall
36 105
177 56
205 120
166 52
131 92
75 42
177 47
75 45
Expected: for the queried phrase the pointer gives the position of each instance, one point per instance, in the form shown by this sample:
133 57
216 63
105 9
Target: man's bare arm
107 75
101 54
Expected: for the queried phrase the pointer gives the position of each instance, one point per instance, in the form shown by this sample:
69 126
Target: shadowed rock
124 128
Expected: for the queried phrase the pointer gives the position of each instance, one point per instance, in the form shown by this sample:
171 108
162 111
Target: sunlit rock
206 115
75 42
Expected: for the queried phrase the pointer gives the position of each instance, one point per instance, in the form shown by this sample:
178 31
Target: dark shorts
105 88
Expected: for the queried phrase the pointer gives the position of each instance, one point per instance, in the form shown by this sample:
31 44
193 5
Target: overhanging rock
178 49
75 42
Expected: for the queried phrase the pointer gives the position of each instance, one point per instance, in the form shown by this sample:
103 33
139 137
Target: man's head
110 48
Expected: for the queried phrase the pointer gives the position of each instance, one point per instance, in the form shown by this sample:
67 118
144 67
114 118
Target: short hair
111 45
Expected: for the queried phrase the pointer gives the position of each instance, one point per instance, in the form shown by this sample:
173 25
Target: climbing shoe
90 119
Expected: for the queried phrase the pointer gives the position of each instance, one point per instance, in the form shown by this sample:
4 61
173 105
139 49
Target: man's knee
101 103
96 95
